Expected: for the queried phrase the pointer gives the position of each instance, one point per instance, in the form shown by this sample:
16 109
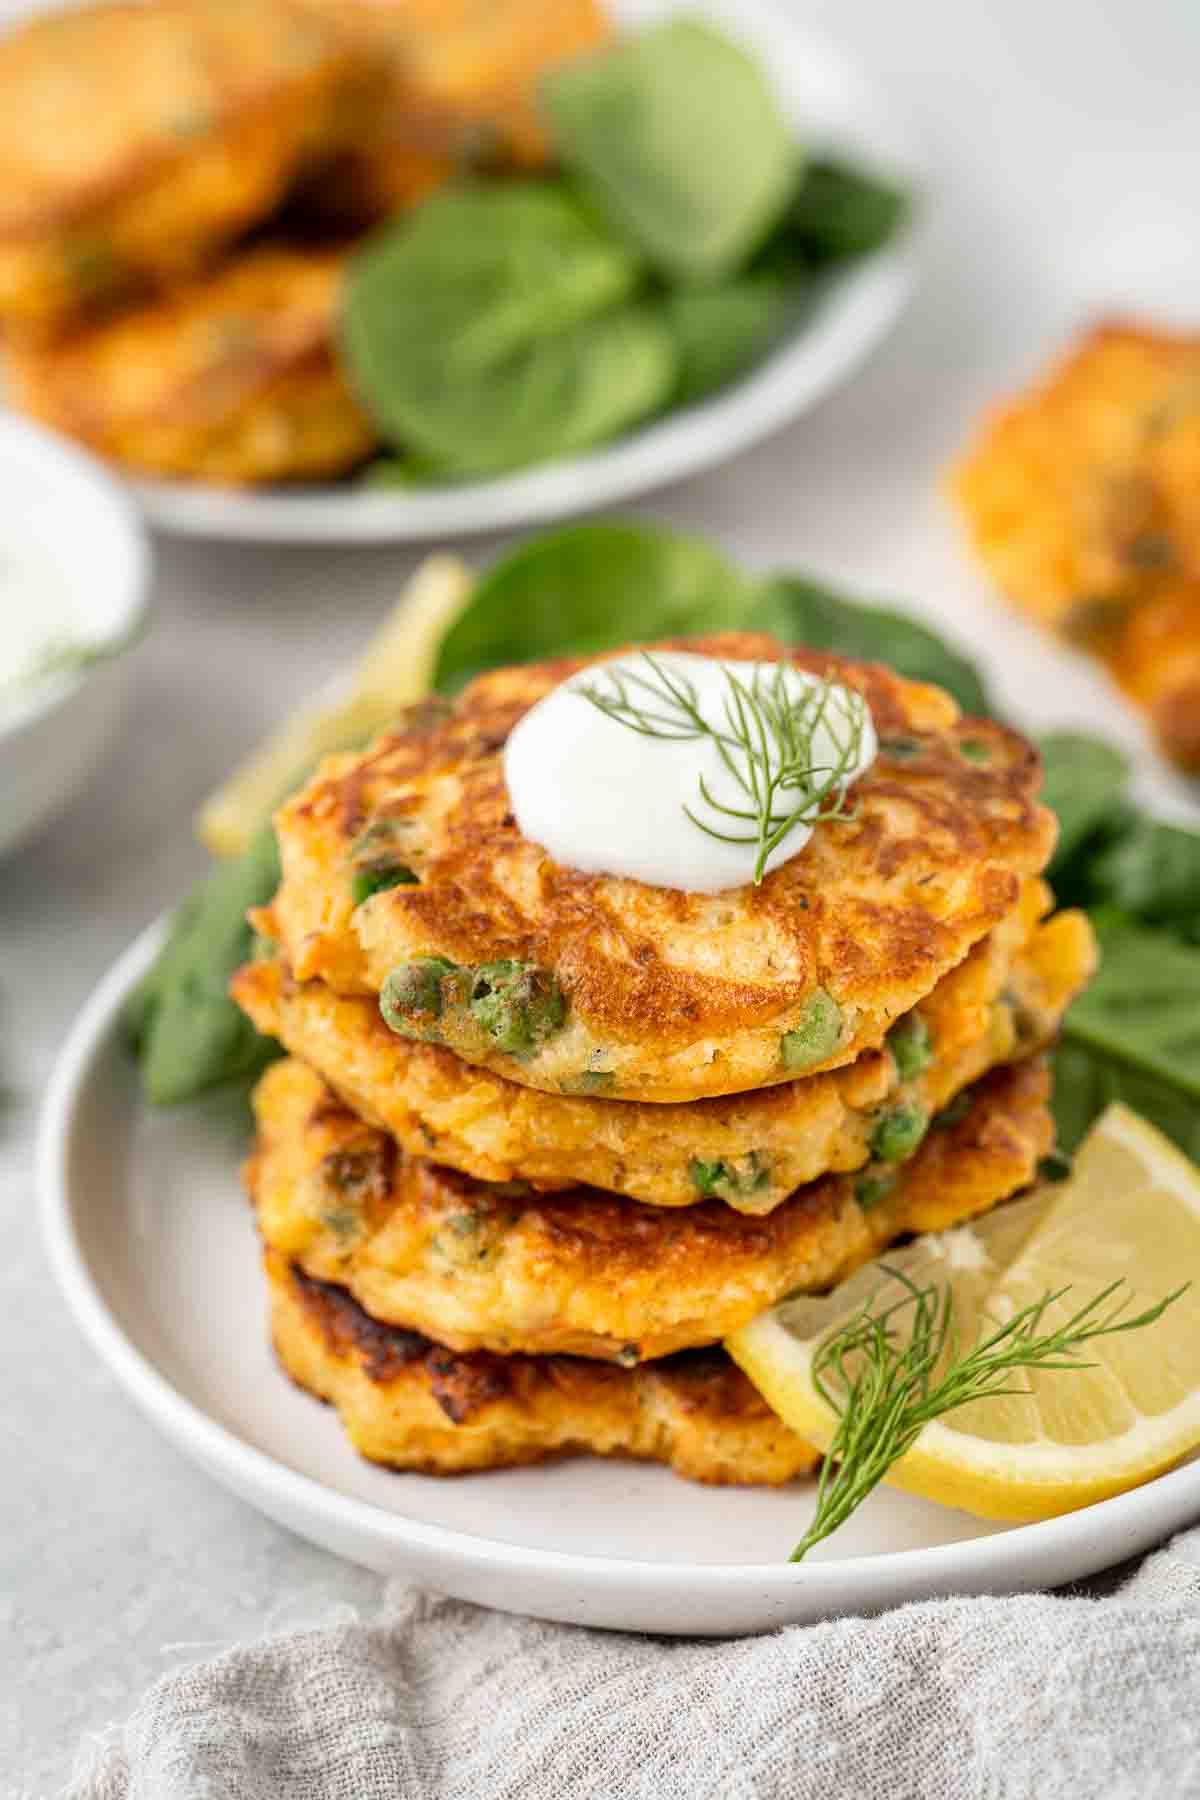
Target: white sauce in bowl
43 627
608 799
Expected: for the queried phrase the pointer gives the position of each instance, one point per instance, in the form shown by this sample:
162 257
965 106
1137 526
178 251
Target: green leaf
801 611
487 331
841 212
1143 1005
1085 783
190 1034
366 883
1086 1079
678 135
590 588
391 472
720 331
140 1008
1152 872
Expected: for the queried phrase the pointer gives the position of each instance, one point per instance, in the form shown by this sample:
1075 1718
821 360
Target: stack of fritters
184 180
544 1138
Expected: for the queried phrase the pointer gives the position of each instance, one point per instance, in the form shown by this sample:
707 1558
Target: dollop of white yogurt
609 800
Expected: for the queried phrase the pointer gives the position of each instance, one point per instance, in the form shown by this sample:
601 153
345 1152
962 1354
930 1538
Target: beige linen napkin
1053 1697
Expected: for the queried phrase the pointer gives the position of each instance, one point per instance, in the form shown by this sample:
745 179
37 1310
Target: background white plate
154 1247
832 106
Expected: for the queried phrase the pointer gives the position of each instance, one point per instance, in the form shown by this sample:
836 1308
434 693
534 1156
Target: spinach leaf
1143 1006
590 587
1086 1080
840 212
678 135
566 393
720 331
1085 784
1152 872
801 611
1133 1035
488 331
143 1003
188 1032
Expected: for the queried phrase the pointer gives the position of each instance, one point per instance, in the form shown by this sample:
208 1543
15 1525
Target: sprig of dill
886 1384
766 744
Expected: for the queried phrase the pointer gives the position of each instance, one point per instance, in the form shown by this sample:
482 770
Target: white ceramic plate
154 1246
831 106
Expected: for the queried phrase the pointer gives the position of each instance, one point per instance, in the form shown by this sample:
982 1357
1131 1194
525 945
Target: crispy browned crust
411 1404
874 910
136 140
230 377
1003 1000
1082 496
587 1273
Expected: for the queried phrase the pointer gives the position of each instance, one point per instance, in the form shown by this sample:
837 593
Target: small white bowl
51 736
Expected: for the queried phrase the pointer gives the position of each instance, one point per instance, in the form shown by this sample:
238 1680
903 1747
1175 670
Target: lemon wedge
1130 1211
396 669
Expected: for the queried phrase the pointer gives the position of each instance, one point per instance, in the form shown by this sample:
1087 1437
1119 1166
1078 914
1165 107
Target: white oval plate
832 106
154 1247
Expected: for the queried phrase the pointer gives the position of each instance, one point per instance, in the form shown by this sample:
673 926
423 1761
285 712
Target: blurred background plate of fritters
174 269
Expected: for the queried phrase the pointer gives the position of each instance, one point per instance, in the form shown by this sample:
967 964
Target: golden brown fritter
463 78
136 141
1155 655
1083 498
648 993
751 1150
584 1273
411 1404
231 377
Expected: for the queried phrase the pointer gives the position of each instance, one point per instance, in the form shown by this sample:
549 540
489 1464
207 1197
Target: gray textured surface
1065 139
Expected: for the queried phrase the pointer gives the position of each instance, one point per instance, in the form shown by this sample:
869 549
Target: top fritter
405 875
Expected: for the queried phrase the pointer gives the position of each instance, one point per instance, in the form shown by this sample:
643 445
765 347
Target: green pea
910 1045
953 1113
415 992
736 1180
899 1132
365 882
816 1035
589 1081
901 748
975 750
869 1190
374 865
518 1004
342 1221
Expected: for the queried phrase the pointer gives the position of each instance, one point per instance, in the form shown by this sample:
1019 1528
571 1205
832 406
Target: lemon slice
1130 1211
396 670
